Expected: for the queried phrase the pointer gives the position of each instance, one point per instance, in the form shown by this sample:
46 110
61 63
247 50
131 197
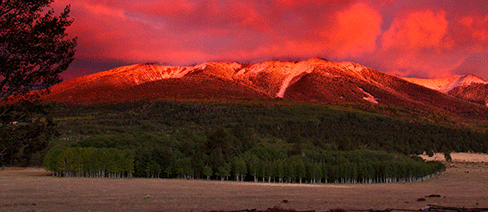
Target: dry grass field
464 184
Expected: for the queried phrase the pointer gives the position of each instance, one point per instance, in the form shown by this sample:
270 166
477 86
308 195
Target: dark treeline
24 143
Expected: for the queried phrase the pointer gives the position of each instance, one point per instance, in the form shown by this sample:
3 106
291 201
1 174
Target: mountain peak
317 60
352 66
469 79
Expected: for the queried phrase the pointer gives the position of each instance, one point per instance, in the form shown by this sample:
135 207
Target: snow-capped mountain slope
467 87
447 84
313 80
274 77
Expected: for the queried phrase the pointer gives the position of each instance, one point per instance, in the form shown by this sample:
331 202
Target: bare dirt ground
459 157
464 184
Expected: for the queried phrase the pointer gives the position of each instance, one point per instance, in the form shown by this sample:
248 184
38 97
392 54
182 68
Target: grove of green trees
359 166
218 156
90 162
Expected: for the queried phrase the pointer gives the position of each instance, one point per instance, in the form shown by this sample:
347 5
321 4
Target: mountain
467 87
476 92
313 80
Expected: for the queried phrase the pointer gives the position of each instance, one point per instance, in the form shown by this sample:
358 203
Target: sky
408 38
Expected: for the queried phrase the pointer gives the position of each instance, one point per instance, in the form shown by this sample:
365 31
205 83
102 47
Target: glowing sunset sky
428 39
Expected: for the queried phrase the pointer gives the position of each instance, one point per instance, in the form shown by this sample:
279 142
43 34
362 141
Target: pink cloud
163 8
301 3
155 30
412 39
427 43
419 44
472 31
108 32
418 30
188 17
355 32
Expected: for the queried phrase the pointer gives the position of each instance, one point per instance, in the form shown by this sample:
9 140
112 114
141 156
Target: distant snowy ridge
279 75
447 84
137 74
285 72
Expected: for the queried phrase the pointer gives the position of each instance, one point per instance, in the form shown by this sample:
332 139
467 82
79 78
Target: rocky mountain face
313 80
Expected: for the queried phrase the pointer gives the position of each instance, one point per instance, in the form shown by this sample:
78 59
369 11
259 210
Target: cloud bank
406 38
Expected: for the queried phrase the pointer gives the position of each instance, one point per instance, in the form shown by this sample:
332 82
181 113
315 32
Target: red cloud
355 32
294 3
425 43
163 8
419 44
187 32
347 32
418 30
419 41
110 32
472 31
188 17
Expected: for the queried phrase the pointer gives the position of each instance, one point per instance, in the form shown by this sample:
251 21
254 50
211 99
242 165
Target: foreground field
464 184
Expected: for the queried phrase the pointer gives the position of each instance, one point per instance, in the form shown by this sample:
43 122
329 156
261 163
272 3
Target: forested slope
266 142
327 127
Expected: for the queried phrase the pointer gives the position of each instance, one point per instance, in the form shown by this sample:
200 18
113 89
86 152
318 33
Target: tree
301 172
52 161
34 50
447 156
21 142
240 169
207 171
278 170
197 162
153 169
184 168
223 171
253 164
318 172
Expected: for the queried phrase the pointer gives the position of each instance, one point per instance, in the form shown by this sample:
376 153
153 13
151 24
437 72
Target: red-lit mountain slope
476 92
467 87
144 81
313 80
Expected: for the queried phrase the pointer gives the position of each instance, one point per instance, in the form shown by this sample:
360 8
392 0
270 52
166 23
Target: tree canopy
34 50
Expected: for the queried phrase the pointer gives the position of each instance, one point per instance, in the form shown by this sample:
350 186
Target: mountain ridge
313 80
445 85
